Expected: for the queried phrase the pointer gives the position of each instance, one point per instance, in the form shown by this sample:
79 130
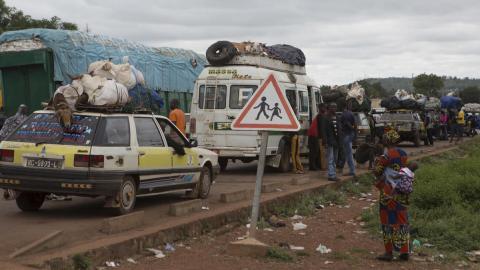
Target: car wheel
223 162
202 188
30 201
284 165
127 196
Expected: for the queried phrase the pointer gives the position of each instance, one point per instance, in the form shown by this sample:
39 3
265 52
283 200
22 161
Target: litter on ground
299 226
323 249
158 253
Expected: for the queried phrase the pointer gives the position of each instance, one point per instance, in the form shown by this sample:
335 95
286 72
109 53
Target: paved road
80 218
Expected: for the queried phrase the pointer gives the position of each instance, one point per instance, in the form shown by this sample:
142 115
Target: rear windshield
397 117
45 128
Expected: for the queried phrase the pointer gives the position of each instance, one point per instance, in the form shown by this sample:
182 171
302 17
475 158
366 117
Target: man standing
349 130
443 125
428 121
331 135
177 116
460 125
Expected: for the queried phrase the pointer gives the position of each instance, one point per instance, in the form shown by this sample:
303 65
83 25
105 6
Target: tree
14 19
428 85
470 94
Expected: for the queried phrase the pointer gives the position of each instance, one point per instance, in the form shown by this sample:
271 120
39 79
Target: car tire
202 188
284 165
30 201
221 52
223 163
127 196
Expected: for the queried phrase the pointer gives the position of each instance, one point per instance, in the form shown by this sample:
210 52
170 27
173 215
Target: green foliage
81 262
428 84
279 254
470 94
13 19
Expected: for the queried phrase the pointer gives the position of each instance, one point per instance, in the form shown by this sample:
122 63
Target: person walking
392 205
177 116
349 129
332 134
461 124
313 146
443 125
428 122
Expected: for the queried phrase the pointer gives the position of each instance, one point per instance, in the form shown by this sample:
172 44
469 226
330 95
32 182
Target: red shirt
313 130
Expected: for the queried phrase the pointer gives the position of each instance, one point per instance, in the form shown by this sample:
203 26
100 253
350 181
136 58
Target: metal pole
258 185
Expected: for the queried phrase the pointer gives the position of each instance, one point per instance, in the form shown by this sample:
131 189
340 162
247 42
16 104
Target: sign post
258 184
267 110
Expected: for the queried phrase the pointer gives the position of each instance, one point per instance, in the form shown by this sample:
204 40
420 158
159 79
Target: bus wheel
284 165
223 162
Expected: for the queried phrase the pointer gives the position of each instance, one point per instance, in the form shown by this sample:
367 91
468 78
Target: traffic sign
267 109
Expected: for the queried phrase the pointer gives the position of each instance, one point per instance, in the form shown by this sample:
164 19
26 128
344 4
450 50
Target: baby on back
402 181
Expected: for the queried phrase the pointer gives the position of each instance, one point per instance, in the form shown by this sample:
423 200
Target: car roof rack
100 108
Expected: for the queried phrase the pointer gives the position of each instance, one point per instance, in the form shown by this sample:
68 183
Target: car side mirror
193 143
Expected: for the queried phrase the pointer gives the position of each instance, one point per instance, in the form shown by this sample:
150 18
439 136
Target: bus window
317 97
240 94
292 98
214 97
303 96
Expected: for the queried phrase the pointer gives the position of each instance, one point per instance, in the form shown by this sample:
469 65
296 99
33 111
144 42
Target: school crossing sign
267 109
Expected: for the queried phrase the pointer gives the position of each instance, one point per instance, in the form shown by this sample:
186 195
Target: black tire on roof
221 52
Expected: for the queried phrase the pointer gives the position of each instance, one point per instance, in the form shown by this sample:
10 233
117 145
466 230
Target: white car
118 156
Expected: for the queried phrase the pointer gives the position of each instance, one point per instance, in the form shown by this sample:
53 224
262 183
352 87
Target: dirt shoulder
339 228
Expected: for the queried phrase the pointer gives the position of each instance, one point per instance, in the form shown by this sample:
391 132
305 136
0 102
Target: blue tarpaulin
166 69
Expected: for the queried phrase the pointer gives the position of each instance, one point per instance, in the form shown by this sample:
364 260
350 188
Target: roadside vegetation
445 204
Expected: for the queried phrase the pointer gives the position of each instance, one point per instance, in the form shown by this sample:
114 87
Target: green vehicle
408 124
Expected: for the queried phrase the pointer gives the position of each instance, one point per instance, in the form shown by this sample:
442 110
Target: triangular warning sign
267 109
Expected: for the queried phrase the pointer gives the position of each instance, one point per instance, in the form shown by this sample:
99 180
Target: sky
343 40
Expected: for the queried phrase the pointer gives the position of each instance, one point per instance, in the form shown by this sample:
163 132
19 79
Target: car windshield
45 128
396 117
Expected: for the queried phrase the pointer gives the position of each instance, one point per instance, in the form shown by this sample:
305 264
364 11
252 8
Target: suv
118 156
408 124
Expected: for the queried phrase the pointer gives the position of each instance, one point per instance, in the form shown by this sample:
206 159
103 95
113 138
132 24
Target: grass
279 254
81 262
445 204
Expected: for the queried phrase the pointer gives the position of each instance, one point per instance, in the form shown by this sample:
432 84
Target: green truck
34 62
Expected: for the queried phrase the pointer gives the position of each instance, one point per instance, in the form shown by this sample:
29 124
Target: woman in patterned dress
393 205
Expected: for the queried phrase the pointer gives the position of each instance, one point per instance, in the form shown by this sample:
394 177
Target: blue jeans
347 149
332 155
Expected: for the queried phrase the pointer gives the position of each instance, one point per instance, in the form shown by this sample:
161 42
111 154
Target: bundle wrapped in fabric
431 103
365 106
143 98
450 102
125 73
356 92
286 53
402 94
391 103
333 95
471 107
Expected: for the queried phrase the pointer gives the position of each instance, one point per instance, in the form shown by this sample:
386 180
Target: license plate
44 163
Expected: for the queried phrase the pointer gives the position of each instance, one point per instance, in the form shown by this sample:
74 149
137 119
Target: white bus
221 92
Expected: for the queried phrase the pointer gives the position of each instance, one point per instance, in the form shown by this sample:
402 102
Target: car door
154 157
186 165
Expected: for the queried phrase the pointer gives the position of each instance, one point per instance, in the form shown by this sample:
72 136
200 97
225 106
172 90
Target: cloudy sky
343 40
